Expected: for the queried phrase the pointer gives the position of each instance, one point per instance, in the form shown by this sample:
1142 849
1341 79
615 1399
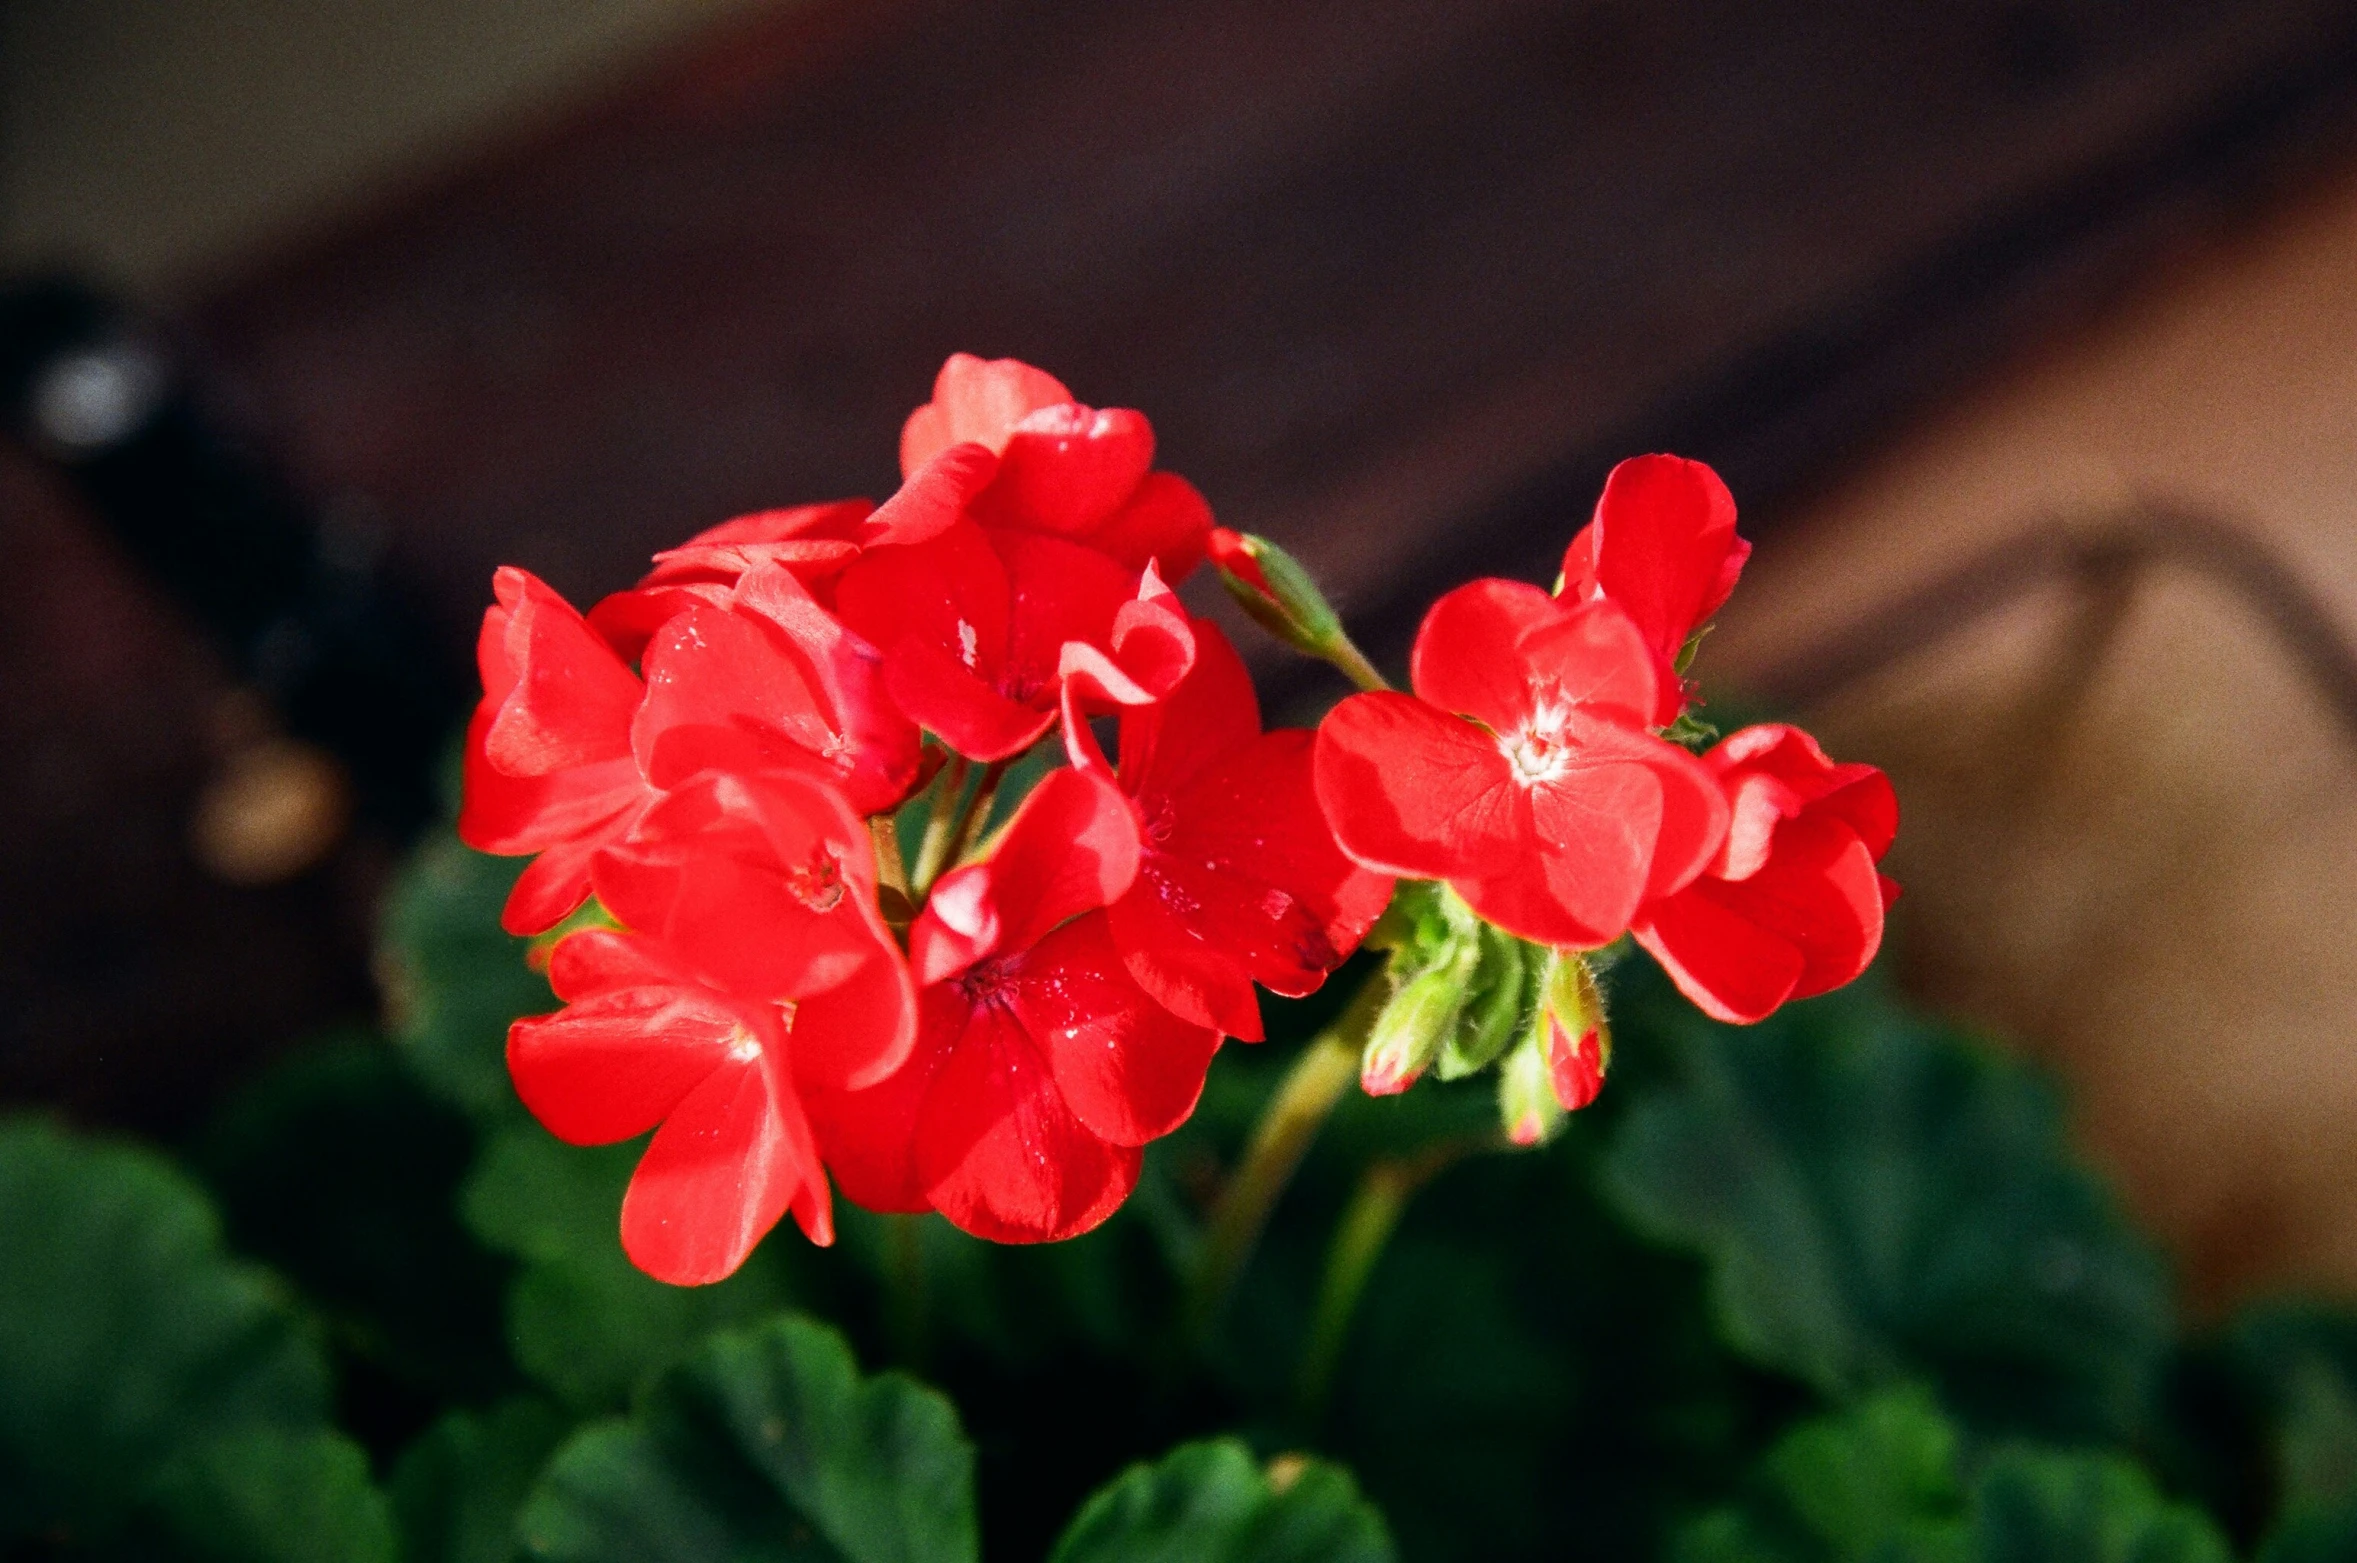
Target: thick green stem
941 828
1359 1240
1326 1069
1354 664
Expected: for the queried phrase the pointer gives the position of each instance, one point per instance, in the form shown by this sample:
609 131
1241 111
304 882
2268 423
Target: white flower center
1539 751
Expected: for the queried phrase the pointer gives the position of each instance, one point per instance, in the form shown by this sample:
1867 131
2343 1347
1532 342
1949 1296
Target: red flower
1062 468
1792 905
569 747
763 971
1040 1067
980 630
1523 774
549 763
1662 548
1239 879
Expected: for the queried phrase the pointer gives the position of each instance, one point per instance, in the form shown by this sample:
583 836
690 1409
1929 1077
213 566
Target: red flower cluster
1531 772
994 1028
716 755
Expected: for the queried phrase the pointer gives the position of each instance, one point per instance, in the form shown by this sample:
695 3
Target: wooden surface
1393 279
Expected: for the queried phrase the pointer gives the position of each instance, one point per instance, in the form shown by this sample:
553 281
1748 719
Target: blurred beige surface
158 143
2130 838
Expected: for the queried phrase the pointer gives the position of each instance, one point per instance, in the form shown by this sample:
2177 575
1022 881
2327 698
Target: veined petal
614 1064
1072 847
1468 659
719 1173
1129 1069
1411 790
568 698
1166 523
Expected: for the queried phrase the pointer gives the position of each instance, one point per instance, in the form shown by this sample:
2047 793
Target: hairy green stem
1327 1067
1354 664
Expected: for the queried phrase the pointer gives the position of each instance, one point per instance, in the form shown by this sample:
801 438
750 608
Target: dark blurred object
302 608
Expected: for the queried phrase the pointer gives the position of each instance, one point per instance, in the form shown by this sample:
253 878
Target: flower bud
1570 1033
1273 589
1271 586
1494 1004
1409 1033
1526 1103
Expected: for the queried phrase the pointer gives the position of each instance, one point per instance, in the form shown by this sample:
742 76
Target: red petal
1212 711
570 700
1129 1069
1575 1070
1663 547
1153 649
1001 1153
1242 881
1167 523
1068 469
1411 790
933 500
766 883
869 1136
944 697
1808 922
1072 847
977 400
855 1033
719 1174
1467 659
614 1064
1590 657
1058 591
555 883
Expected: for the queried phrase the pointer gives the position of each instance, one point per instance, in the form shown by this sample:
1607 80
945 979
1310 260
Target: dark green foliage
767 1444
458 1489
453 980
1212 1503
267 1496
370 1229
583 1322
127 1337
1890 1481
1880 1199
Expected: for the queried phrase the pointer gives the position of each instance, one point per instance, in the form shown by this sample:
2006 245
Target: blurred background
2024 330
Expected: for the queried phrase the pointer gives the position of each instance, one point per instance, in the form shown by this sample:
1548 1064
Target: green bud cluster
1466 996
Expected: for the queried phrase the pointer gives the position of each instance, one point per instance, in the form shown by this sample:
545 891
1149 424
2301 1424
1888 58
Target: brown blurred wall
2131 823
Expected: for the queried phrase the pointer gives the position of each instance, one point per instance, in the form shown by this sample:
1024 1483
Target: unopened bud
1526 1103
1273 589
1570 1033
1495 1000
1410 1031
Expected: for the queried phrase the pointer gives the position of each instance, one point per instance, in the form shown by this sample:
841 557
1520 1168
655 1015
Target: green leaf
1212 1503
126 1334
583 1321
1881 1200
453 978
459 1488
1884 1472
267 1496
1878 1484
2037 1506
768 1444
341 1170
1875 1484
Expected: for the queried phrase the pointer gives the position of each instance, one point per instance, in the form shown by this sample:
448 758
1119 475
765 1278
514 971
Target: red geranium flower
979 631
762 971
1792 905
569 746
1040 1066
1062 468
1524 773
1662 548
1239 879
